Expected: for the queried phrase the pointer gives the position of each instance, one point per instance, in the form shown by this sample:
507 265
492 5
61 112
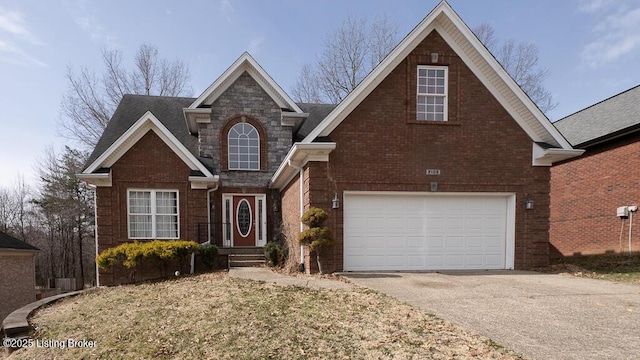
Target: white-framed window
432 93
244 147
153 214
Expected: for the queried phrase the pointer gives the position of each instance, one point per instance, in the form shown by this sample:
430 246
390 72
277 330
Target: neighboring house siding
245 97
585 194
17 280
380 147
149 164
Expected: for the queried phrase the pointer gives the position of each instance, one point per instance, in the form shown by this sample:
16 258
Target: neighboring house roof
475 55
9 242
608 119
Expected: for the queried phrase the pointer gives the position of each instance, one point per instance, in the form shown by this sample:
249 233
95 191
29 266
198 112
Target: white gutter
301 181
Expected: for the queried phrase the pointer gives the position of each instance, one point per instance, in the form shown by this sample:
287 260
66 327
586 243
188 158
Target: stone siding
245 98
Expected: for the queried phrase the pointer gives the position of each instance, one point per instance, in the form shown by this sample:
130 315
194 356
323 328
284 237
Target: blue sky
591 47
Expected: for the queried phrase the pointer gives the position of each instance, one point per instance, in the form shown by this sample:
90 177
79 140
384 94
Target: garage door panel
423 232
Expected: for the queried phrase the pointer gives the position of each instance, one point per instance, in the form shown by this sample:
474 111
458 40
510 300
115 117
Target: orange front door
244 220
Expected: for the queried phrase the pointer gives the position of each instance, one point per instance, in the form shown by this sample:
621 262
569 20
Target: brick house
586 191
17 274
428 161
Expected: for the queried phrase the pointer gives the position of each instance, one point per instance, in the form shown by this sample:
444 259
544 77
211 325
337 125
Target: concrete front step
246 260
241 250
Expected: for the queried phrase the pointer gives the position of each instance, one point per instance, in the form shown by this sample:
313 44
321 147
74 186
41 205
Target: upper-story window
244 147
432 93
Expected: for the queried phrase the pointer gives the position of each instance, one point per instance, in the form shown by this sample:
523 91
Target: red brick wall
380 147
291 220
585 194
149 164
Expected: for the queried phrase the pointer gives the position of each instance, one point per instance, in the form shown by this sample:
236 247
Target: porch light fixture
335 203
528 204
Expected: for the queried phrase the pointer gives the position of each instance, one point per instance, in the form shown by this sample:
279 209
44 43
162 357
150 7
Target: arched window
244 147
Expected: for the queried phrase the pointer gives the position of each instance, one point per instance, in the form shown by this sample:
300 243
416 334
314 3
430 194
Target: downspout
193 255
301 181
95 230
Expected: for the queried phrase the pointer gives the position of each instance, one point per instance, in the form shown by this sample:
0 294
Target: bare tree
91 99
349 54
521 61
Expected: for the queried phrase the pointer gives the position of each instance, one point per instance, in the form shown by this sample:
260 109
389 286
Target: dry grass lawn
212 316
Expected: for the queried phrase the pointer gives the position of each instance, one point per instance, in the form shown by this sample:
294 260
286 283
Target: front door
244 219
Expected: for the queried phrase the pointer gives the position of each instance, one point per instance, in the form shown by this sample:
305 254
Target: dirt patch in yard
613 267
213 316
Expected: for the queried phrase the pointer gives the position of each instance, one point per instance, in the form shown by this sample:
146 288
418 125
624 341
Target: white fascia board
548 156
147 122
400 52
298 156
193 117
246 63
97 179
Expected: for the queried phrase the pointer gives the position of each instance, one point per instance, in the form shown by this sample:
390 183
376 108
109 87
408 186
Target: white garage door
427 232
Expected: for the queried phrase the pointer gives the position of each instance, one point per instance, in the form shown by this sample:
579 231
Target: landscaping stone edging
16 324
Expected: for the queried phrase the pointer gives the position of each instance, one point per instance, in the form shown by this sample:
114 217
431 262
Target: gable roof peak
245 63
475 55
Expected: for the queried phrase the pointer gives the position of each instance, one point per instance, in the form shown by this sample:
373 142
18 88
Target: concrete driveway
541 316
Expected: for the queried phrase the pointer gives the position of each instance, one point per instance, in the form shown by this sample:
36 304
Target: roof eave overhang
292 118
299 155
97 179
193 117
204 183
548 156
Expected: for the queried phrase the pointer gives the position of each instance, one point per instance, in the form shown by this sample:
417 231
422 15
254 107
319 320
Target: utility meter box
623 212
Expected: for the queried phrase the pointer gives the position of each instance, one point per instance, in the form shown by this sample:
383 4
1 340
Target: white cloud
591 6
616 33
12 54
88 23
13 30
226 9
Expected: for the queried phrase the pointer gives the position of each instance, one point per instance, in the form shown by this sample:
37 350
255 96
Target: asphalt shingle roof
9 242
169 111
619 112
317 113
131 108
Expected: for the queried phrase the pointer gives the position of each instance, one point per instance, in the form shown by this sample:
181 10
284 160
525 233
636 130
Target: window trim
153 214
229 162
445 96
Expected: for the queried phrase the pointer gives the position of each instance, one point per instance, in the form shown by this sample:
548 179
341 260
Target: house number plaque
433 171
